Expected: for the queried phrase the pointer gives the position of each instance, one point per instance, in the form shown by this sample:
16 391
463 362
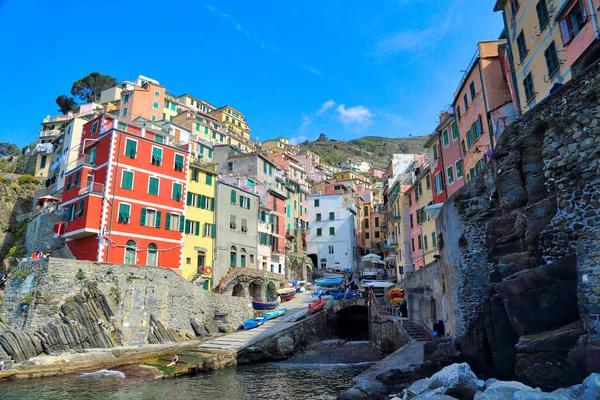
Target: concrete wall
424 290
40 233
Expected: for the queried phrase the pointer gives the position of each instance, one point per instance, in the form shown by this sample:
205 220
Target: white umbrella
371 257
379 262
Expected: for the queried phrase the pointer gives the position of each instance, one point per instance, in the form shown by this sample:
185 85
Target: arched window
323 263
152 255
243 257
233 257
130 252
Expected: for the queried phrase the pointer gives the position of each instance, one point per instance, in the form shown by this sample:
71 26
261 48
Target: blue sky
348 68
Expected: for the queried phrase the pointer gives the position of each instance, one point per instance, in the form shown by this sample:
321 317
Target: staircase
415 332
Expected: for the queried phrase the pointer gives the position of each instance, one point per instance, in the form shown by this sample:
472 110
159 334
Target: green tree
322 137
65 103
89 87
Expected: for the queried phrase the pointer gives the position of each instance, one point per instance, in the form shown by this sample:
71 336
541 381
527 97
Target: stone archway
238 290
272 291
257 289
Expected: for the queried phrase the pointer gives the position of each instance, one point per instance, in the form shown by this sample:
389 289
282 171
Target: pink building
580 32
451 177
312 172
378 172
415 228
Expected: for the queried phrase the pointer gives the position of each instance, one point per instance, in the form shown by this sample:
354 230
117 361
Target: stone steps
414 332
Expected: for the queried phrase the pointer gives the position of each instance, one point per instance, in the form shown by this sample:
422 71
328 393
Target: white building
332 234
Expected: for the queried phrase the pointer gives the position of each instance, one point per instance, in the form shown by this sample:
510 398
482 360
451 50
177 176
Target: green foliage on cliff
27 179
369 148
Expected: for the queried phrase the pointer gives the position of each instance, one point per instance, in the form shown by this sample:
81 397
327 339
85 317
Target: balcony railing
49 133
92 187
85 159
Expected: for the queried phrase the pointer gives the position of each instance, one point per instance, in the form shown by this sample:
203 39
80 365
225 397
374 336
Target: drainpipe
112 202
487 112
512 66
593 15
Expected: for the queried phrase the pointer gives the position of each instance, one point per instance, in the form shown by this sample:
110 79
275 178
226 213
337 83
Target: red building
436 168
123 201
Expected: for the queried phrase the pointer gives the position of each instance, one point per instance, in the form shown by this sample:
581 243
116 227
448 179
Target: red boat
316 306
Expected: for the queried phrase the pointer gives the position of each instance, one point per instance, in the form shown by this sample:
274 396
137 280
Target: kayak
254 322
274 314
316 306
297 316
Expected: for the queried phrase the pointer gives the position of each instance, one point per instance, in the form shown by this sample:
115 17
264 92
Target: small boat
316 306
329 282
274 314
348 295
332 276
263 305
297 316
286 294
254 322
299 289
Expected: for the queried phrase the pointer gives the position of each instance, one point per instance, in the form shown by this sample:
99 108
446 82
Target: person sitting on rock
174 362
1 364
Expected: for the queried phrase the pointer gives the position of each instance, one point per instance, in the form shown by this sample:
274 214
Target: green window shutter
92 157
76 181
143 217
168 221
214 230
248 203
176 191
198 200
210 153
197 228
271 219
187 226
181 222
158 216
208 179
212 204
189 198
265 167
203 204
157 155
130 148
241 201
127 180
153 186
332 231
69 180
178 162
233 197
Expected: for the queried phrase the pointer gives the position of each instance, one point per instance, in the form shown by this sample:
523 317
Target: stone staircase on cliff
416 333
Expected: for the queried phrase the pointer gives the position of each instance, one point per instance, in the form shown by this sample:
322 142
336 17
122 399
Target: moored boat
274 314
254 322
297 316
329 282
347 295
316 306
263 305
286 294
332 276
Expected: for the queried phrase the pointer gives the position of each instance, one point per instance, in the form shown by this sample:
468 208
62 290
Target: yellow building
200 225
535 48
232 119
429 239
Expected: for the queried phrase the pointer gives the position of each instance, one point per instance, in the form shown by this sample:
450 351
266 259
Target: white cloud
359 115
228 17
298 139
312 70
306 121
326 106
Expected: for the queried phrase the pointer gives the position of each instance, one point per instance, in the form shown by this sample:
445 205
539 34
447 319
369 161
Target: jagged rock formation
521 250
54 305
15 209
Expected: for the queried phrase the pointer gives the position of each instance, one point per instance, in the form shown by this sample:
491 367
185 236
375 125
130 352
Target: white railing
92 187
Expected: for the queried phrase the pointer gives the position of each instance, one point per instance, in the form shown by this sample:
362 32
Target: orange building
482 91
123 201
146 100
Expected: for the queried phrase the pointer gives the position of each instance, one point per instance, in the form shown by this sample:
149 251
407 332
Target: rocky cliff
521 254
56 305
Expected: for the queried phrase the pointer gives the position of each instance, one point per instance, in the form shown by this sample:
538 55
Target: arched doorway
238 291
352 323
232 256
256 289
130 252
152 255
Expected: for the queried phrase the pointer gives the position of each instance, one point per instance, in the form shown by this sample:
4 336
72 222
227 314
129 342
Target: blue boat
274 314
348 295
329 282
263 305
254 322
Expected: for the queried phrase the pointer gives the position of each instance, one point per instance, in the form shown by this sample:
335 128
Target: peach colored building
579 27
483 89
146 100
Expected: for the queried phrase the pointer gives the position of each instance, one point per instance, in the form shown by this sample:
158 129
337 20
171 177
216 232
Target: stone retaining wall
424 291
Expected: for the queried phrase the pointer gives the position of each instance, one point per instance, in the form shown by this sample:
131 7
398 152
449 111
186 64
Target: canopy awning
371 257
434 210
48 199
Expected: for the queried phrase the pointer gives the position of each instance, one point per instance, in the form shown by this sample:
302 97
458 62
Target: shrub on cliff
27 179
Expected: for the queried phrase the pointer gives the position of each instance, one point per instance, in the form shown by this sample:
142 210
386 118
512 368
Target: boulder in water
458 379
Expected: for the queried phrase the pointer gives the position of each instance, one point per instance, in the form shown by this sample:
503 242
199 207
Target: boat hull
259 305
298 316
254 322
329 282
316 306
287 297
274 314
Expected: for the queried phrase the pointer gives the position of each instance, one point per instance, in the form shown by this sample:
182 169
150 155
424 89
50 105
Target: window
376 222
130 252
232 257
316 202
331 216
433 240
174 222
412 221
572 24
542 13
233 197
94 128
529 89
126 98
464 146
366 224
124 213
229 167
420 241
156 156
232 223
244 202
156 93
435 152
69 182
153 186
125 111
428 181
366 211
244 225
208 179
130 148
152 255
410 199
376 234
178 162
210 230
127 180
458 114
318 217
459 169
425 244
319 232
514 6
155 105
450 174
466 102
521 46
551 59
331 231
412 242
92 157
331 250
153 117
150 217
454 129
243 257
122 126
472 90
176 191
159 138
43 160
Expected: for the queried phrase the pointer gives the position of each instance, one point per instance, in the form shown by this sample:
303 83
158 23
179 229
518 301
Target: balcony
383 228
46 134
92 187
395 217
85 159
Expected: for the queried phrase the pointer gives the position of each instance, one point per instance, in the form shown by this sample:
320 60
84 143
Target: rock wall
520 246
424 291
53 305
40 233
15 209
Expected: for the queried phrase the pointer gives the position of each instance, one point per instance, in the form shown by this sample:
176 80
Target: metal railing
92 187
49 133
